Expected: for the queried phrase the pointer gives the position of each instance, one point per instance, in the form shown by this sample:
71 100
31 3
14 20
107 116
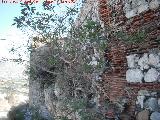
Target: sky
10 10
9 35
7 13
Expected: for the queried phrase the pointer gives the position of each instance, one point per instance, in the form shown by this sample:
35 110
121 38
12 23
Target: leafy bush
23 112
77 62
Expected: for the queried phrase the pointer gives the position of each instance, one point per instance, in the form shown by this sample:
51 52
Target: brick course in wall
114 78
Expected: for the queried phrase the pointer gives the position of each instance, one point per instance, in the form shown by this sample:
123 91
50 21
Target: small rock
143 62
158 65
143 93
127 7
134 75
140 100
140 2
142 8
154 94
93 62
159 101
131 60
154 60
154 4
143 115
151 75
131 13
155 116
152 104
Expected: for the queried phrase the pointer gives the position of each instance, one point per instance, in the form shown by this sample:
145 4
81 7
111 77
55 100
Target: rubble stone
142 8
143 62
134 75
154 60
131 60
143 115
140 101
151 75
155 116
143 93
154 4
152 104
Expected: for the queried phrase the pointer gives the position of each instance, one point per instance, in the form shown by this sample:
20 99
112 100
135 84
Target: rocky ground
12 92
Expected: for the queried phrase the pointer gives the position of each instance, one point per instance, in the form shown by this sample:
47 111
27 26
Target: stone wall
143 68
135 7
124 78
128 70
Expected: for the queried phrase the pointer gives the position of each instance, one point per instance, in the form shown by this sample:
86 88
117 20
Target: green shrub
22 111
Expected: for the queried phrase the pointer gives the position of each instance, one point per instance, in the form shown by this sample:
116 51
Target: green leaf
78 104
87 68
52 61
13 23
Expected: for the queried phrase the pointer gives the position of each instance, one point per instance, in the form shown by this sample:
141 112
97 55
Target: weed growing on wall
136 37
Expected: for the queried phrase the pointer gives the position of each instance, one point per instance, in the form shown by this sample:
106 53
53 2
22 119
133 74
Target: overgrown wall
128 63
44 89
127 74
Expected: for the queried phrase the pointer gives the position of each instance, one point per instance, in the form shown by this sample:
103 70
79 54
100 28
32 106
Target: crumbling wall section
130 17
89 10
39 80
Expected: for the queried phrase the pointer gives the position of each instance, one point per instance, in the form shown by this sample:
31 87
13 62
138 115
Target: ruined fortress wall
129 63
134 67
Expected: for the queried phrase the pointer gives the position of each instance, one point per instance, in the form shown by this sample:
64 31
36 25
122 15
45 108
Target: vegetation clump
24 112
